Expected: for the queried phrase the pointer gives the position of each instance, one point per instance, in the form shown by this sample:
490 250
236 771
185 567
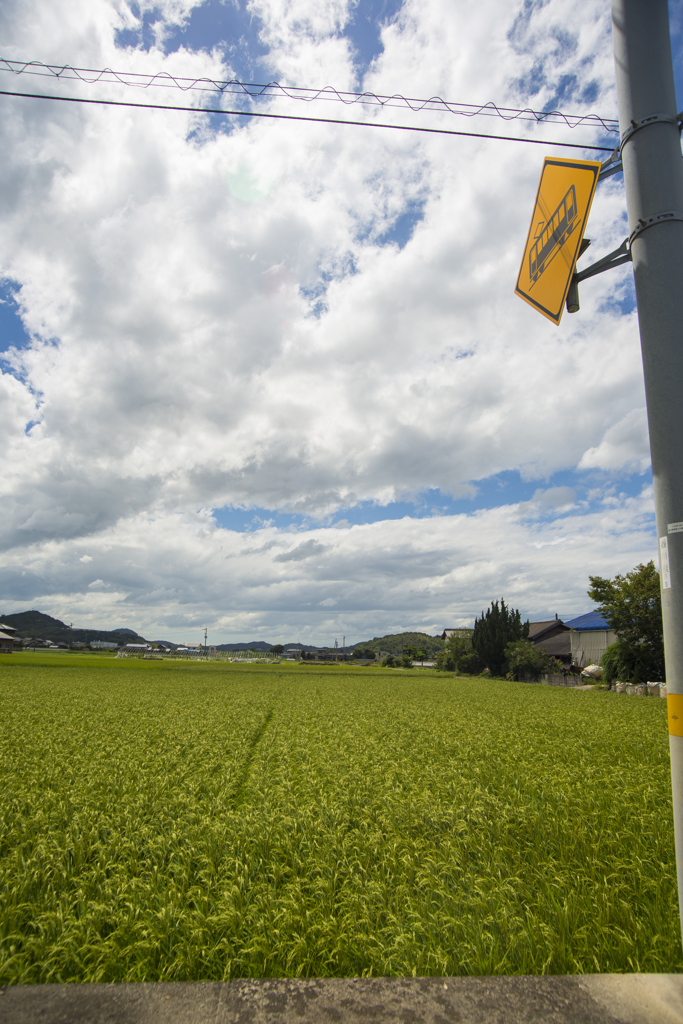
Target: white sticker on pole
675 527
664 563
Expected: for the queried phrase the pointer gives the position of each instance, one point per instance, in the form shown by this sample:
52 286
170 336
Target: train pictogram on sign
553 235
563 202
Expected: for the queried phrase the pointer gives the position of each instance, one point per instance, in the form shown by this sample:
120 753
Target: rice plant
167 821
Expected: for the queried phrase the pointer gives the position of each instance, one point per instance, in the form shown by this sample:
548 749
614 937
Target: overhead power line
273 90
295 117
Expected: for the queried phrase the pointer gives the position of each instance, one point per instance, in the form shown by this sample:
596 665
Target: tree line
630 604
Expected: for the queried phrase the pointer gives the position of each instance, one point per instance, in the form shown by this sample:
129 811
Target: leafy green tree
277 649
458 655
632 606
616 665
496 628
390 661
444 661
407 658
523 659
471 664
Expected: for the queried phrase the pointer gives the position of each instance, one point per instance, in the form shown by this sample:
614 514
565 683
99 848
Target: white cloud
176 572
216 321
307 549
624 447
551 499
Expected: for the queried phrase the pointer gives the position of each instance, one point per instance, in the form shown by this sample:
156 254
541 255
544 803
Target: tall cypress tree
498 626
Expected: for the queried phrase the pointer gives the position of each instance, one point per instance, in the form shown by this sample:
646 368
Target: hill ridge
40 625
44 627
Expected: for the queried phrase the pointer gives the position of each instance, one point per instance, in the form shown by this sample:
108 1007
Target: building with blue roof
591 620
590 635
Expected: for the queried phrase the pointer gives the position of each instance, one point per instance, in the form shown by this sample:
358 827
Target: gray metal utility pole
653 175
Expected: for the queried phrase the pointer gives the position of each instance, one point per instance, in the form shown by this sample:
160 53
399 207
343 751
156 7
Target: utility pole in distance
653 176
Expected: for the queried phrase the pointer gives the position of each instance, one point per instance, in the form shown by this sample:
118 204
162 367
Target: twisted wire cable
255 91
298 117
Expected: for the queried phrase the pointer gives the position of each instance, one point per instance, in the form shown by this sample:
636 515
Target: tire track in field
243 777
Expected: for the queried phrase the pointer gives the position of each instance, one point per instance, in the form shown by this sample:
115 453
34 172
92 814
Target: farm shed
558 646
553 637
547 628
590 636
133 650
6 639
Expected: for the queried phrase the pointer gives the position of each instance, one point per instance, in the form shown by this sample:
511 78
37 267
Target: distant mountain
261 645
291 645
255 645
395 642
44 627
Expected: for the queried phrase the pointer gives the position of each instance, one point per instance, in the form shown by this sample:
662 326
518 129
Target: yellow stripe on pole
674 704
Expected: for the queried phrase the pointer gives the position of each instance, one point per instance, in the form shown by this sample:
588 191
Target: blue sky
504 488
12 330
271 377
223 24
233 28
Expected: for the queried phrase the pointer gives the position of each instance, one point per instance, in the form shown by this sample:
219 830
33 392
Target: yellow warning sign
563 202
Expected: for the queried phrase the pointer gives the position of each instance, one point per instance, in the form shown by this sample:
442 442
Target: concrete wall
557 680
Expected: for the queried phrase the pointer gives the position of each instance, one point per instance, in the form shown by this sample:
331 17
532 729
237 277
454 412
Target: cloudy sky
270 377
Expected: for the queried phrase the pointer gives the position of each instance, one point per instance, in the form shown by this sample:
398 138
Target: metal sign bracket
613 259
644 122
649 222
612 165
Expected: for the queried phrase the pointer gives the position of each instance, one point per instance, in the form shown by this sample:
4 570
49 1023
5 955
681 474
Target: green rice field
178 821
